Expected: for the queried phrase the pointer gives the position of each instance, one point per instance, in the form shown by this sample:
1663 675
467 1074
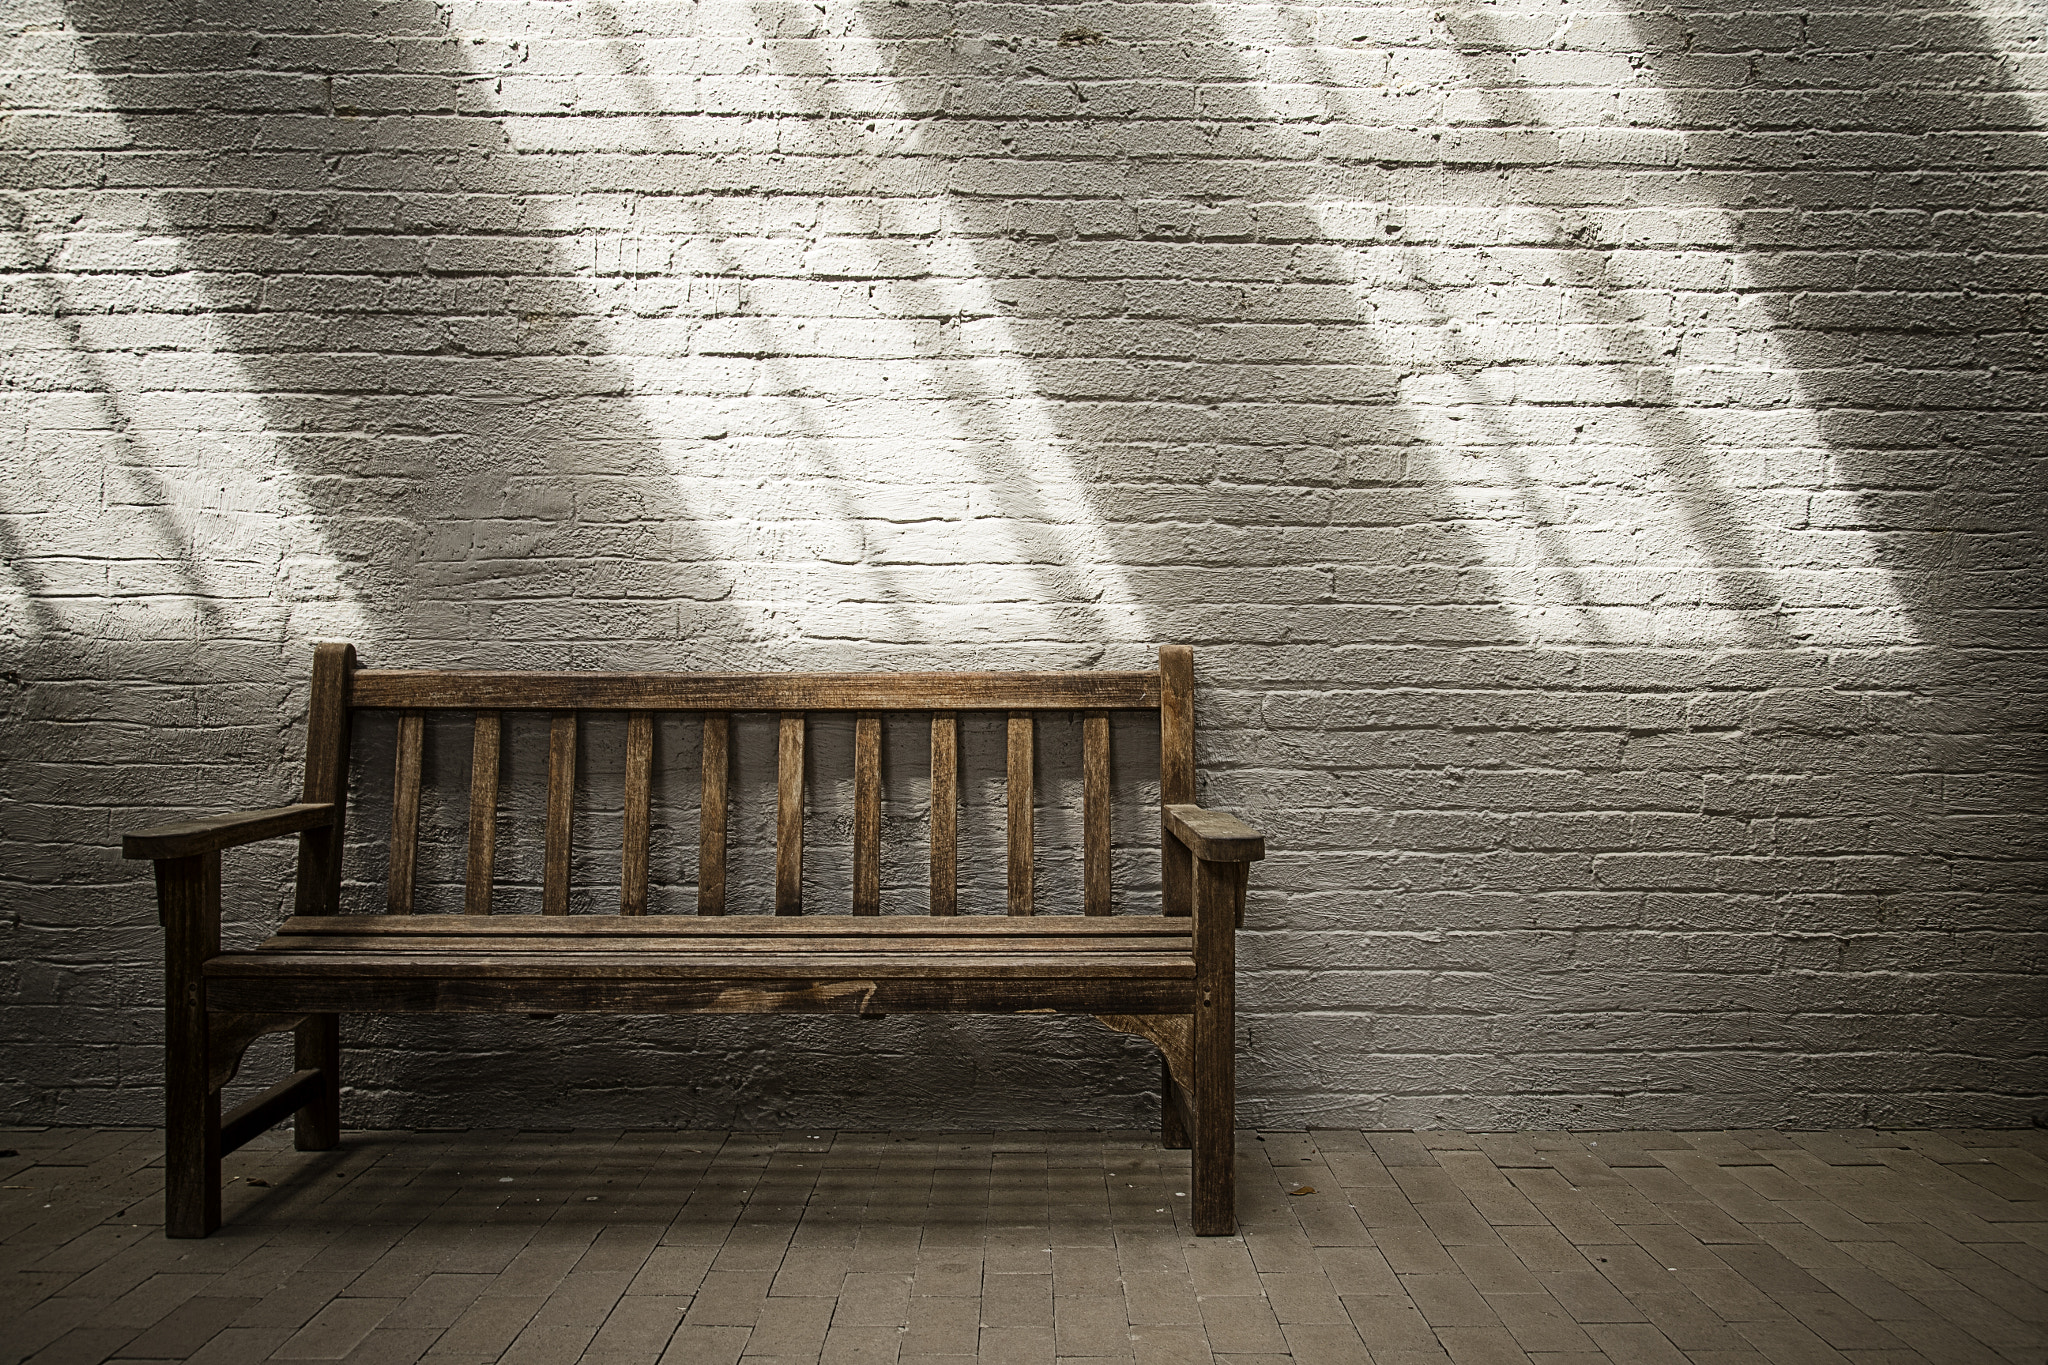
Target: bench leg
188 898
1215 1097
191 1135
316 1045
1173 1124
1215 1136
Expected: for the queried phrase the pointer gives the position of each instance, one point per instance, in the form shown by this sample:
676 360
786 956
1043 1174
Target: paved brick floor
712 1248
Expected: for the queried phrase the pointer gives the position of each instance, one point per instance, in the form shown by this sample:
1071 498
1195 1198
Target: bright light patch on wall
1625 478
154 506
872 457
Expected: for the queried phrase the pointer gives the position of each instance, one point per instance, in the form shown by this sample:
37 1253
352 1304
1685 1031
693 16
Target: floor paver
612 1248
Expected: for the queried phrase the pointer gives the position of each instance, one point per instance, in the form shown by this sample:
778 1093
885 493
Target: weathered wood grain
1173 1111
750 992
1096 897
639 813
405 812
1172 1034
317 1126
212 833
483 814
188 900
1215 1050
561 813
867 815
228 1037
709 962
428 690
665 948
789 814
945 808
746 926
1022 793
1214 835
316 1046
326 778
1176 772
711 813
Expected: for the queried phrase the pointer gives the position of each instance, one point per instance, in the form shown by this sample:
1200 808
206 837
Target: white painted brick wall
1597 453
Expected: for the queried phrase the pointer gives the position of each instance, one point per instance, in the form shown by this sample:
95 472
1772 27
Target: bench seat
847 964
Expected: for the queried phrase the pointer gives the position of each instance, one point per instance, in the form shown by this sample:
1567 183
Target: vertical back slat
945 812
1095 846
561 812
711 814
405 813
639 798
1176 773
483 815
867 815
789 815
1021 791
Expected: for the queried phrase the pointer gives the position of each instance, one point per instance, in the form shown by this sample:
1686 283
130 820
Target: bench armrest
1215 836
212 833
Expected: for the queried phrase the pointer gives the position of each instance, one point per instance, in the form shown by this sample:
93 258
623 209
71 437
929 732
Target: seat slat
456 945
735 966
1095 845
711 808
945 796
789 815
867 815
689 926
483 814
1020 797
405 813
833 992
561 812
638 802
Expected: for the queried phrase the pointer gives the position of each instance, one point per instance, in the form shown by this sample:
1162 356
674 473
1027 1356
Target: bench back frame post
1218 889
1176 773
327 733
188 902
316 1042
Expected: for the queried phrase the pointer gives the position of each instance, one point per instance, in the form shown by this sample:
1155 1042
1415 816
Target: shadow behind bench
1168 977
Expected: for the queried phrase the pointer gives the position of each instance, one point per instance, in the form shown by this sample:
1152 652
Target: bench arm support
1222 849
1215 836
187 858
212 833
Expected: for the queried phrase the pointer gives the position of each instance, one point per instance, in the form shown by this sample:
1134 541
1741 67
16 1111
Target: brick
711 1345
1589 1297
336 1329
1240 1325
1538 1323
186 1329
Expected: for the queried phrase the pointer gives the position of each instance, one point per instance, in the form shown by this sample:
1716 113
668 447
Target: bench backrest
342 689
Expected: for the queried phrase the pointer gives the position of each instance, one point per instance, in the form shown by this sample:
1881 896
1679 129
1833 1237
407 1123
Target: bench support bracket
1173 1034
228 1037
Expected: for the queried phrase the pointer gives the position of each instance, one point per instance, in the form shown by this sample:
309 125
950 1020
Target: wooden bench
1168 977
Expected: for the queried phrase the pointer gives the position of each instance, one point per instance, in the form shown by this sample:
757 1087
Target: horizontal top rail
408 689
